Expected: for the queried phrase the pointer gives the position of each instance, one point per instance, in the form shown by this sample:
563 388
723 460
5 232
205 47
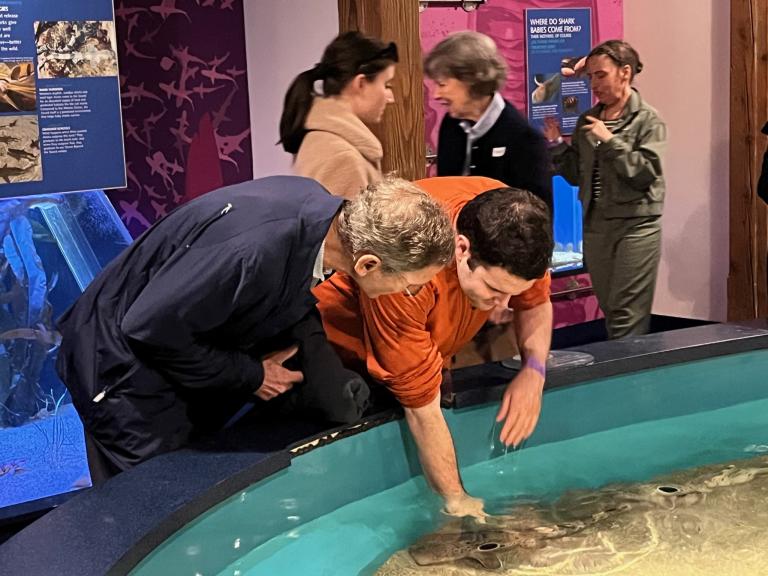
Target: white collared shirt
480 128
318 272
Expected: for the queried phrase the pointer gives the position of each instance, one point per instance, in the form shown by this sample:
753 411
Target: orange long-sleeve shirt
406 341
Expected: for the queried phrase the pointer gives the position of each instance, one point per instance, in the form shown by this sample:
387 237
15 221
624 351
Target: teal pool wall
617 401
355 467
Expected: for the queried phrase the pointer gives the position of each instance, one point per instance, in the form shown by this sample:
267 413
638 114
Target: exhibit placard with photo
557 43
60 119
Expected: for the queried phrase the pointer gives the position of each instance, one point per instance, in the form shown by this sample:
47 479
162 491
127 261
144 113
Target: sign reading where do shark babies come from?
60 120
557 42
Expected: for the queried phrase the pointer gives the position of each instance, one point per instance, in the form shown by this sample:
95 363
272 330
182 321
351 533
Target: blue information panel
60 122
557 42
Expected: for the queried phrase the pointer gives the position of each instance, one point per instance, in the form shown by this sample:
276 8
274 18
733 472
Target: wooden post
402 130
747 279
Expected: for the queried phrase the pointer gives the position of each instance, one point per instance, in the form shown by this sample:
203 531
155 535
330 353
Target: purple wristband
534 364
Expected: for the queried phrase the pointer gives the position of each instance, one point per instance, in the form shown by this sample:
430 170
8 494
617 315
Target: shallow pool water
359 537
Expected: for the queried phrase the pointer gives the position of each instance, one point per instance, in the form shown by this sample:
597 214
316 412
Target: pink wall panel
575 309
503 20
185 104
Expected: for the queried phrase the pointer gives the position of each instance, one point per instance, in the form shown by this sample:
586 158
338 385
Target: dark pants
101 467
622 256
329 393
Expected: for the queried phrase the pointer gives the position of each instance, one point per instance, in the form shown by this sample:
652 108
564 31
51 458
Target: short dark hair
621 53
509 228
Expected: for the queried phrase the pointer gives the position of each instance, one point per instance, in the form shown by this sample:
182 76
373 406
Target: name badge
498 152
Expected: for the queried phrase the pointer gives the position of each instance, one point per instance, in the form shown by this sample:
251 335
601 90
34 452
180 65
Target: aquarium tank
569 253
52 247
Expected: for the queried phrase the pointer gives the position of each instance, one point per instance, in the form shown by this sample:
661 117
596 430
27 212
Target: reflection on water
586 505
701 521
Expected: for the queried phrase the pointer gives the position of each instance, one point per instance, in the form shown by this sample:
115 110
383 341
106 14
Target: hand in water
465 505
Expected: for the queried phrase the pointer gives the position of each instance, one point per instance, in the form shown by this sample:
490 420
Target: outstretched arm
438 458
521 403
403 355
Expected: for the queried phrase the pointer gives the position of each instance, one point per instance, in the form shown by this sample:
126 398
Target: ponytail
298 101
350 54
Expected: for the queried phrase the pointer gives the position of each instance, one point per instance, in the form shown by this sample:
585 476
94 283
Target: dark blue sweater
521 158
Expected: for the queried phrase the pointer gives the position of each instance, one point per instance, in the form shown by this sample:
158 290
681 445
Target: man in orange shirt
503 249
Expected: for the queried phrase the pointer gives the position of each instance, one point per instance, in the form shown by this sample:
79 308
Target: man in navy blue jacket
197 316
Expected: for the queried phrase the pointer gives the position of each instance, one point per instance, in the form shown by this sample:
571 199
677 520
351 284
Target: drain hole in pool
668 489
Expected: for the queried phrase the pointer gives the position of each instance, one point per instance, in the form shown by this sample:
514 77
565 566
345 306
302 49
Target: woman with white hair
483 134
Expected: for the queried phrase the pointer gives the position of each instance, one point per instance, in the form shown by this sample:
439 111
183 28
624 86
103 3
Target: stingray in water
707 518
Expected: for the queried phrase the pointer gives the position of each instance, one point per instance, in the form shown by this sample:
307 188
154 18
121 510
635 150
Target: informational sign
60 122
557 43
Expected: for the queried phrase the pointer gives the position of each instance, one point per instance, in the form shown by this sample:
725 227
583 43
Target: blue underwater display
569 251
52 247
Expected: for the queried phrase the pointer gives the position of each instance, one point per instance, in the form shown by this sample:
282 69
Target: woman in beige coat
329 133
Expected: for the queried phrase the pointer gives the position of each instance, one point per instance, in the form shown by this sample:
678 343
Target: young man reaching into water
405 340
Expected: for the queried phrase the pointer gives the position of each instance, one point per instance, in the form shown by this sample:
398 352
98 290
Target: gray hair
399 223
470 57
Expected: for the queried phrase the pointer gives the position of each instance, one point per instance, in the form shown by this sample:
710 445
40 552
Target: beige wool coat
339 151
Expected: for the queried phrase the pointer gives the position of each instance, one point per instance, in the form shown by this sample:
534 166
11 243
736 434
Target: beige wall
283 38
684 46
